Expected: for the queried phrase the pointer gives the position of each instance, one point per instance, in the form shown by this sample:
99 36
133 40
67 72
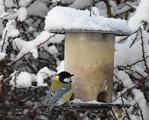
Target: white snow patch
140 15
9 31
79 4
124 78
21 13
53 50
24 2
88 102
30 46
43 74
60 67
24 79
39 8
2 56
64 18
139 97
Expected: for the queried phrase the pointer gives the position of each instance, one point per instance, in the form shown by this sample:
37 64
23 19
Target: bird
60 91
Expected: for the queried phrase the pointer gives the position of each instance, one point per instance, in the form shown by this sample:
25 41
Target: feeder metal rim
117 33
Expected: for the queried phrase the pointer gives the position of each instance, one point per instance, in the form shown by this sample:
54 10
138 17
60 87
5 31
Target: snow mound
63 19
2 56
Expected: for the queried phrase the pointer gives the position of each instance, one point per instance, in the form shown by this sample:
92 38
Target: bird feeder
90 57
89 50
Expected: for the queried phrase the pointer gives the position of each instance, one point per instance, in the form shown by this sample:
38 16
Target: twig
128 4
143 52
122 40
109 113
30 52
19 58
114 115
132 64
46 40
131 88
98 116
4 40
30 3
77 115
108 7
140 111
124 108
34 71
134 40
4 58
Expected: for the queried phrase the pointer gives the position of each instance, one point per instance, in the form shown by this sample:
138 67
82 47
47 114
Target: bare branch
128 4
143 52
30 52
4 39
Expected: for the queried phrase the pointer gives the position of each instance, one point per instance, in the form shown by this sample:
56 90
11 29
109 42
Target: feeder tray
92 106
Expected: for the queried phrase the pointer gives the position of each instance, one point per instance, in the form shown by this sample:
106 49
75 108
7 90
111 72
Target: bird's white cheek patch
67 80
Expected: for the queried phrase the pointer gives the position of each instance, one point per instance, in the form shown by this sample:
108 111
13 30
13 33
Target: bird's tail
50 107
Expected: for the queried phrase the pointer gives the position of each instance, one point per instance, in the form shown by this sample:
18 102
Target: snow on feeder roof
65 19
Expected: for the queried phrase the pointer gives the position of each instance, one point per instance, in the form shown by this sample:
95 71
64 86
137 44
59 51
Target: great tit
60 91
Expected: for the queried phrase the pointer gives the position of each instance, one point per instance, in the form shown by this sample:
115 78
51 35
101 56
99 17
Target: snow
30 46
89 102
139 98
1 7
125 78
21 13
58 19
9 31
80 4
60 67
55 1
43 74
1 27
24 79
53 50
95 11
2 56
140 15
26 47
38 9
24 2
134 53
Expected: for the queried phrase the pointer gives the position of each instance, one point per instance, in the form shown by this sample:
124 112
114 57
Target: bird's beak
72 75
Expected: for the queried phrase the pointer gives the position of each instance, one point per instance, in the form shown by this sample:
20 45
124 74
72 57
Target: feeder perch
83 106
89 50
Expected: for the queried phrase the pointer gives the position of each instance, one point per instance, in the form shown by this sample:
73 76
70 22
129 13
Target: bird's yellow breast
56 85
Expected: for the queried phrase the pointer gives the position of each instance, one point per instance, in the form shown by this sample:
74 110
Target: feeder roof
65 19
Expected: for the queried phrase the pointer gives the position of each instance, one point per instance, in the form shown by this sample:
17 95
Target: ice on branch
66 19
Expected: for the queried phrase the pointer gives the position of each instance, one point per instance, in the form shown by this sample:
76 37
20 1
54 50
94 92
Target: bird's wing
49 96
58 94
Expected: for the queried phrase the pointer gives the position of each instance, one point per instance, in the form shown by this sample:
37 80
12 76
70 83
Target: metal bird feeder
89 52
89 56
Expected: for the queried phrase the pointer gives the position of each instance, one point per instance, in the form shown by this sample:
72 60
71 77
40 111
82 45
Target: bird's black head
65 77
